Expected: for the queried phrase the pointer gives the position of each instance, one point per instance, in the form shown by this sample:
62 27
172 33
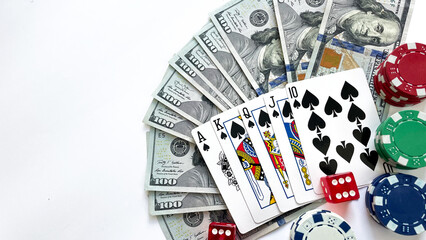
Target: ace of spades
335 125
243 159
223 175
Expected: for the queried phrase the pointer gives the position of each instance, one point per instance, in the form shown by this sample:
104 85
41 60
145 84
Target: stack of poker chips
321 224
398 202
401 79
401 139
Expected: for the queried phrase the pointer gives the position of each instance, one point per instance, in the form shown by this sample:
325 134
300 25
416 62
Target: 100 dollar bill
187 72
161 117
195 57
195 225
295 29
179 95
162 203
366 31
176 165
249 28
354 25
216 48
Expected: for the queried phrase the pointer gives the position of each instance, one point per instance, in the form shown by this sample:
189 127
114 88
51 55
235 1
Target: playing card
245 164
282 120
258 125
336 127
224 177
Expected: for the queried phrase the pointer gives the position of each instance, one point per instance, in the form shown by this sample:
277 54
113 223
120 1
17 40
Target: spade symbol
362 135
348 91
316 122
355 114
332 107
296 104
237 130
206 147
322 144
346 151
369 158
223 136
264 119
309 100
328 167
275 114
250 124
287 112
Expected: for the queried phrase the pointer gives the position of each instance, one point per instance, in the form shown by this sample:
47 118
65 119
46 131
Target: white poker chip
321 225
301 218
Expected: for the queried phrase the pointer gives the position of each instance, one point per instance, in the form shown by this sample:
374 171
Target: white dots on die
214 231
352 193
345 194
348 179
341 180
334 182
221 231
228 233
338 196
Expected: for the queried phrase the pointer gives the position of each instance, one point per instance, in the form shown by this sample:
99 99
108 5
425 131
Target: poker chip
405 69
385 157
399 203
321 225
400 80
388 97
301 217
369 195
386 93
402 139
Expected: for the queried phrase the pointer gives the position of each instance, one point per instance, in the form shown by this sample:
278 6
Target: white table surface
75 81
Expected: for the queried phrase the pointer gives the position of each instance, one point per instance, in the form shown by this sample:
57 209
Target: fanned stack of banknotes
249 48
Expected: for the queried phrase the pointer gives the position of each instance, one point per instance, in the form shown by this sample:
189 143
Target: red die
339 188
222 231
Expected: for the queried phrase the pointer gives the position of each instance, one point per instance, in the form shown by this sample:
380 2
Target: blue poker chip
369 195
399 203
322 225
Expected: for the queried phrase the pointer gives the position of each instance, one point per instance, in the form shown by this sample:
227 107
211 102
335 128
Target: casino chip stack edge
387 202
401 139
321 224
401 79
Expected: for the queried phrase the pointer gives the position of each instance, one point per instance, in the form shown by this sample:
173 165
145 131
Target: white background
75 81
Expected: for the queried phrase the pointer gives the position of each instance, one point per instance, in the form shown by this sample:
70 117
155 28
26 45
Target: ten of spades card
258 125
282 120
223 176
245 164
336 127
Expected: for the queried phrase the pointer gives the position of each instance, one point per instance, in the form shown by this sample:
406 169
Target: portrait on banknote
199 175
203 110
363 22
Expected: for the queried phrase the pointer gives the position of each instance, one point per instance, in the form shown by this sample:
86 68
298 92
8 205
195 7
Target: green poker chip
385 157
402 138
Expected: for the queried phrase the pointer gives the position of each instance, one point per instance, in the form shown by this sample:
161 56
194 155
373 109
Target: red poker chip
385 94
394 94
405 69
382 78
